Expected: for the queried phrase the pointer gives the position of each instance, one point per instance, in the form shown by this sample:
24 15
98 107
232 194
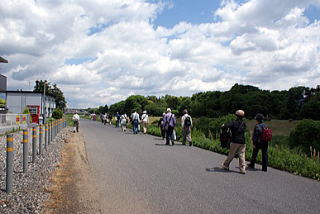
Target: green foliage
57 113
306 134
295 103
26 111
280 156
53 91
2 102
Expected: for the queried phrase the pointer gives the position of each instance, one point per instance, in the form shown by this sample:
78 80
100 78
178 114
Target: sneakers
242 171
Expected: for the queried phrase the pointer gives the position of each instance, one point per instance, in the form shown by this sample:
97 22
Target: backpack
225 138
187 121
266 135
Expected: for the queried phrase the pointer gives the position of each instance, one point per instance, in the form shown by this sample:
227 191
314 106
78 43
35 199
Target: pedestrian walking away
238 144
104 119
145 121
259 143
76 119
135 121
161 126
186 124
124 121
117 117
109 118
169 124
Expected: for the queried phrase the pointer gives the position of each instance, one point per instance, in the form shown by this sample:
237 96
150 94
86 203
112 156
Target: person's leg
254 156
171 135
264 150
162 132
233 149
188 137
168 136
242 158
184 135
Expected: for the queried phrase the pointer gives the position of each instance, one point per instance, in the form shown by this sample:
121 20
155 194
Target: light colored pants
144 125
240 149
186 134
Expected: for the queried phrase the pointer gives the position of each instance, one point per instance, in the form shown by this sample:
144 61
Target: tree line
295 103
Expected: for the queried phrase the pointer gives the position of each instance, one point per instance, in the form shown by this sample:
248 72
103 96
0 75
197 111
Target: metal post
9 167
40 139
50 128
25 154
34 146
46 136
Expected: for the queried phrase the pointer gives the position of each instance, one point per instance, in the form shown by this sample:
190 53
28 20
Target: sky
102 51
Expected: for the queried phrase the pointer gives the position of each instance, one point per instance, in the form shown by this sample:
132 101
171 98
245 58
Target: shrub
57 113
26 111
306 134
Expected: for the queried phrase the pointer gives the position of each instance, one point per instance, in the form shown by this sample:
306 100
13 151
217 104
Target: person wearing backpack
238 143
124 120
135 121
161 126
186 124
261 136
169 122
145 121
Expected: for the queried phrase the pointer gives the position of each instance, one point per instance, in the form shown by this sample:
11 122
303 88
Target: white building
38 104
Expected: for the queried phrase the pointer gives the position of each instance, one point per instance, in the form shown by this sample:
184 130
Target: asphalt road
138 174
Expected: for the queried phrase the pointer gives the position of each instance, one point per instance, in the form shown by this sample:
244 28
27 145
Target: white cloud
268 43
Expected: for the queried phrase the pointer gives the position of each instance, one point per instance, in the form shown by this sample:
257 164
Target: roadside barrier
44 139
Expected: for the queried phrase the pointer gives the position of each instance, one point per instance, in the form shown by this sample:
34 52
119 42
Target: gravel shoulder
73 190
30 189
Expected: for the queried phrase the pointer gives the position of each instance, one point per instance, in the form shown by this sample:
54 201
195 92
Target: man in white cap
145 121
238 144
169 121
76 119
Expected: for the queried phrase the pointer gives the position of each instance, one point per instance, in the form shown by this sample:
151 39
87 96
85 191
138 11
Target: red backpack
266 135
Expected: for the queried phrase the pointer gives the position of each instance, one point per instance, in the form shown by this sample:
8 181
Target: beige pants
234 149
144 125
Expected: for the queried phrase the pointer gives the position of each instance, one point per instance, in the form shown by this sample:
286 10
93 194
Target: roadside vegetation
292 114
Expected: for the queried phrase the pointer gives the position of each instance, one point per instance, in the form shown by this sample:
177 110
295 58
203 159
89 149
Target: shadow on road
218 169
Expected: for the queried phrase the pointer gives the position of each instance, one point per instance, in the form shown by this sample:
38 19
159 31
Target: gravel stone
30 189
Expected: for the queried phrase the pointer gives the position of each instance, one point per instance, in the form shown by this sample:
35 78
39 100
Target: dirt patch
72 190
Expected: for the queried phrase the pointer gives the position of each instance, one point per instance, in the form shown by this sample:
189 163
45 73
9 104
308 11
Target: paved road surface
138 174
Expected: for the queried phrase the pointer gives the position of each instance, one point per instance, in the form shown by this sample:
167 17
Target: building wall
17 102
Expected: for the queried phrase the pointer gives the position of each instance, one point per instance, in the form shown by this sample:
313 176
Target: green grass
280 156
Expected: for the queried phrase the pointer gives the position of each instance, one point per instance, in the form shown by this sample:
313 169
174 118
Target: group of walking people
167 127
168 122
238 143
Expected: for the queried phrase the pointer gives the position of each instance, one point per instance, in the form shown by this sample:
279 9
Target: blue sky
187 11
202 11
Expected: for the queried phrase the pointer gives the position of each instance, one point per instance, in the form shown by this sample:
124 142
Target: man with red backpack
261 136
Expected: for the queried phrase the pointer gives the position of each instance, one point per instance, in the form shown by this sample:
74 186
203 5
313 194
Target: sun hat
239 113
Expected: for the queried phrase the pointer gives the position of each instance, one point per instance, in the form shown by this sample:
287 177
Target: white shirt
145 118
75 117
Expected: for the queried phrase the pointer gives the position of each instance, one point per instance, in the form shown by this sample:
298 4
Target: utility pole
44 104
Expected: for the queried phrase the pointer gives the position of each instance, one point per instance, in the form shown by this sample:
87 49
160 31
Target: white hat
144 112
240 113
168 110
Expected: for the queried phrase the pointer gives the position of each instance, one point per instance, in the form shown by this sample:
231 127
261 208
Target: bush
26 111
306 134
57 113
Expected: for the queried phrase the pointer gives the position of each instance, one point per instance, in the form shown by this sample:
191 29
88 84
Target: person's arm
191 121
182 120
227 125
255 136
